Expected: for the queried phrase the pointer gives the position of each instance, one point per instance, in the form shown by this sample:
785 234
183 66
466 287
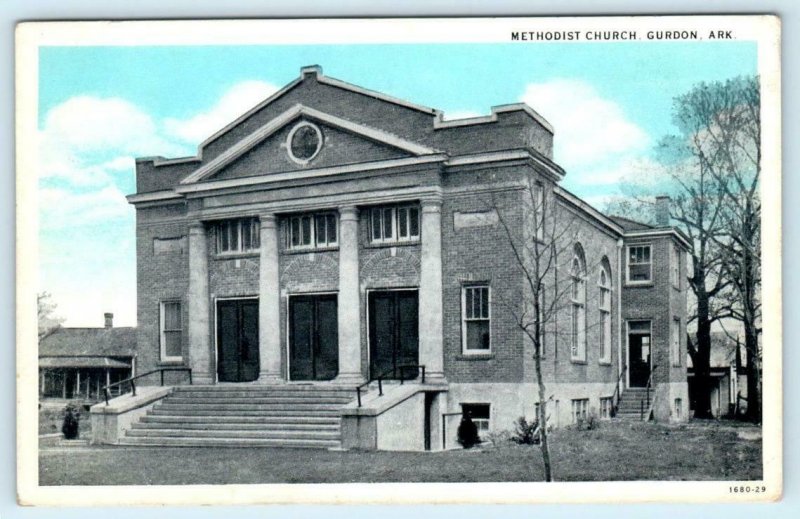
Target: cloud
64 207
588 127
233 103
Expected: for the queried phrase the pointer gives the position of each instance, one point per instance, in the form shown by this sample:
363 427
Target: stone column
269 303
199 322
431 348
349 302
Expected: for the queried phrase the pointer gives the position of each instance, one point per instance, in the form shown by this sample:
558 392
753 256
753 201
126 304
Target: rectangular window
542 320
605 408
171 330
394 224
312 231
578 320
605 323
640 267
475 305
538 200
675 266
580 410
675 341
480 415
238 236
678 408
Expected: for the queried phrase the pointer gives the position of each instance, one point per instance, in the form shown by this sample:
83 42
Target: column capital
197 227
267 219
348 212
431 204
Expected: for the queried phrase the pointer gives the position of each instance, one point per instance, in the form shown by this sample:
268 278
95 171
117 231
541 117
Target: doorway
313 337
639 353
237 340
393 333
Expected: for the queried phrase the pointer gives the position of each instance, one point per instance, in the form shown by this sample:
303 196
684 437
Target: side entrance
237 340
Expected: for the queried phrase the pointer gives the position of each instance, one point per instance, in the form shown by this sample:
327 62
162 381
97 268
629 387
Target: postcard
454 260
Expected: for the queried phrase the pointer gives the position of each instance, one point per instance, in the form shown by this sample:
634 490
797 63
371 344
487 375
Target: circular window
304 142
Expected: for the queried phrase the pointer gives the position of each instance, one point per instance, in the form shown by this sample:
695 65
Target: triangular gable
297 111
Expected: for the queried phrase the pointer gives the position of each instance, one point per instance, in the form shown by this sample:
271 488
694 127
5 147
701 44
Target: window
678 408
310 231
578 307
542 320
675 266
606 408
304 142
475 304
605 312
676 342
171 330
639 264
394 224
236 236
580 410
480 415
538 194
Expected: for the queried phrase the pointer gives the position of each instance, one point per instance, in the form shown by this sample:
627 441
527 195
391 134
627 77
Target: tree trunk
753 374
701 361
548 469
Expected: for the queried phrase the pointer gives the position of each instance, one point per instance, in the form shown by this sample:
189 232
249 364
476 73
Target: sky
100 107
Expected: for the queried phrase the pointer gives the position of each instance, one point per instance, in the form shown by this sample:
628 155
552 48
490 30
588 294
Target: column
431 349
349 301
269 303
199 325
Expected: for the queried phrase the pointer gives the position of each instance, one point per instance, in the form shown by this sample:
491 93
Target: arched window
578 307
604 283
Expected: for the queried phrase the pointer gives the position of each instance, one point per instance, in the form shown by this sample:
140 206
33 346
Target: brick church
333 236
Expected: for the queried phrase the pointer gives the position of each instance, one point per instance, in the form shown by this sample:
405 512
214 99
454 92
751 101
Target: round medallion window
304 142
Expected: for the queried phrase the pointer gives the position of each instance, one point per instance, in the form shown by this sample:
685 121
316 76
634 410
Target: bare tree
543 245
48 321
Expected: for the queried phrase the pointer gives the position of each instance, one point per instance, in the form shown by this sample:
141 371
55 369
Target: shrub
525 432
467 432
70 425
590 423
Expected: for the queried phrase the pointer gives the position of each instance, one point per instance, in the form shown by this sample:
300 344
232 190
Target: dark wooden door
393 332
237 340
313 337
639 359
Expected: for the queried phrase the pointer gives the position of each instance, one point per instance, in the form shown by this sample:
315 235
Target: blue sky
101 106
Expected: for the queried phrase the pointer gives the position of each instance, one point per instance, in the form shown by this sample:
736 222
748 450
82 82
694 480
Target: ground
616 451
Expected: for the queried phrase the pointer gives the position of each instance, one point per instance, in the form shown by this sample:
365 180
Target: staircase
631 403
303 416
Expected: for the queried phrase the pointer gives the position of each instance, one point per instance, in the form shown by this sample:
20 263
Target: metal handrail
133 384
444 427
647 392
617 391
383 375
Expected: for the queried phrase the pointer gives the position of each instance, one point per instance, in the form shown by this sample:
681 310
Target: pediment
304 138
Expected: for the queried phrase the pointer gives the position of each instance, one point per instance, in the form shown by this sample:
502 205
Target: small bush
71 422
525 432
590 423
468 432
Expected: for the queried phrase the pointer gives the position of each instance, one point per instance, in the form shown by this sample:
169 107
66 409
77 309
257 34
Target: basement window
480 415
580 410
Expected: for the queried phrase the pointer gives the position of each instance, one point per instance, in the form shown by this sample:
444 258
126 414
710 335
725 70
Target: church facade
334 235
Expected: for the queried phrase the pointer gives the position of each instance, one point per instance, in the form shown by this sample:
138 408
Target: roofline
277 123
637 222
439 122
668 231
498 156
584 206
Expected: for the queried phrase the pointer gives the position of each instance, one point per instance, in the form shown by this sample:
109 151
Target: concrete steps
631 404
299 416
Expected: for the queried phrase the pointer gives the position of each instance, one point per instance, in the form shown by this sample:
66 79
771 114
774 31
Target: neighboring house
333 233
728 365
76 363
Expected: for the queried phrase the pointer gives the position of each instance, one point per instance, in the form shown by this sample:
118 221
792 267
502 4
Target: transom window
476 310
640 267
604 283
480 414
240 235
578 306
392 224
171 330
310 231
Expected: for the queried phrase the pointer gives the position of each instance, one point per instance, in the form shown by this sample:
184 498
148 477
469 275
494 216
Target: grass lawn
615 451
51 418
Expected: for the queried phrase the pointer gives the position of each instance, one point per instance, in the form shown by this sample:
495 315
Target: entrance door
393 333
237 340
313 337
639 353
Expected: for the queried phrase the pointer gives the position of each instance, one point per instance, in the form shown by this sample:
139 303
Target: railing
380 378
133 384
444 427
647 393
617 391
